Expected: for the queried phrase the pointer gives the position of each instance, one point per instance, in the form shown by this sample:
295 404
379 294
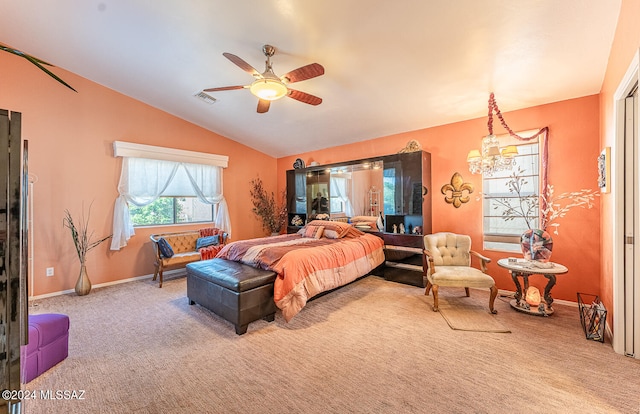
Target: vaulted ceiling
390 66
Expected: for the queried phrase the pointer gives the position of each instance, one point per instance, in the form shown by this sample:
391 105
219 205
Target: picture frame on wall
604 170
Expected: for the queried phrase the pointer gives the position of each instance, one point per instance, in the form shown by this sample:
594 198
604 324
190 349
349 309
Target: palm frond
38 62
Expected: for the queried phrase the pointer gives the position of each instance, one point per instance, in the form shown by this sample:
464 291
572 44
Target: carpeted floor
370 347
465 315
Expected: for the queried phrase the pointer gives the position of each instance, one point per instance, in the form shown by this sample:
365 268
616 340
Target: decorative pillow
342 229
165 248
313 232
207 241
368 219
365 222
362 225
209 231
330 234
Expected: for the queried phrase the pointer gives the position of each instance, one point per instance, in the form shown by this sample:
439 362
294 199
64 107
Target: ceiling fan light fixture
268 89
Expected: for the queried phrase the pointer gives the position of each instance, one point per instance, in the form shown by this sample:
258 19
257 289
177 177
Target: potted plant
83 241
536 243
273 216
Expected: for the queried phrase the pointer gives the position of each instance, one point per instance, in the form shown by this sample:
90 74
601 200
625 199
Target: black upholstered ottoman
237 292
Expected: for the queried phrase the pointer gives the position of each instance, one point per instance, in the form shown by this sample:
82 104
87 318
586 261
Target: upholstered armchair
447 262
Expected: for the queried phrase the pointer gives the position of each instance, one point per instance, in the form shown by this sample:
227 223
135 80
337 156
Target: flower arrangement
552 206
322 216
273 216
297 221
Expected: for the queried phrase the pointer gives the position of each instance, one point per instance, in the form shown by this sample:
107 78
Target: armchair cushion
464 276
449 249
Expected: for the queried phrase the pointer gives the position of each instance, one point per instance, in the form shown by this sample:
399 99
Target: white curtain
342 194
143 180
207 183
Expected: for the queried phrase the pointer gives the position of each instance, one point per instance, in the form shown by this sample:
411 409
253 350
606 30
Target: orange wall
625 44
70 137
573 150
70 152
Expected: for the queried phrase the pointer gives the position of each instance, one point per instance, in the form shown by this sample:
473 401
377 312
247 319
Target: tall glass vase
83 285
536 245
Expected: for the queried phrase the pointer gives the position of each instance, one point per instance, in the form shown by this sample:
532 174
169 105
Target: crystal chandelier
491 158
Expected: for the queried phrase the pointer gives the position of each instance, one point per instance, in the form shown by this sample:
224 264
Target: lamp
269 86
268 89
491 158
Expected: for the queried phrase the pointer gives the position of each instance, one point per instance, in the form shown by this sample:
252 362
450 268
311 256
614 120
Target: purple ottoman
48 344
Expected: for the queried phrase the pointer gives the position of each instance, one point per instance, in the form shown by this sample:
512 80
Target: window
501 234
161 186
177 204
338 194
390 181
171 210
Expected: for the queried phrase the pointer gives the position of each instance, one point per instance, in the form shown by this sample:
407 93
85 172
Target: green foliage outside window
158 212
172 210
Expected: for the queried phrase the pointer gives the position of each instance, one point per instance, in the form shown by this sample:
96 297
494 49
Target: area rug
463 314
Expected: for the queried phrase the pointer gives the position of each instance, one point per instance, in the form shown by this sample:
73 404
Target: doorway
626 235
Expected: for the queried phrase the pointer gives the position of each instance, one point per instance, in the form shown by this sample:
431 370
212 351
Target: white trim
617 192
129 149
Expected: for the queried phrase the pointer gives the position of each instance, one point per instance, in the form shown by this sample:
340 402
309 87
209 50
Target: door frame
625 87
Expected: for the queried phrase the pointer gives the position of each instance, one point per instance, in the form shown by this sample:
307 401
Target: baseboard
115 282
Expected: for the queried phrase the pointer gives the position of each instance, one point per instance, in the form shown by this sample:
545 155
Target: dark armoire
13 257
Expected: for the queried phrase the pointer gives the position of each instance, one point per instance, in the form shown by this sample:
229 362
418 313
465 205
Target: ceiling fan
268 86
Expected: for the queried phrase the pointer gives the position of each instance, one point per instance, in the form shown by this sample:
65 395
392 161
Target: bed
322 256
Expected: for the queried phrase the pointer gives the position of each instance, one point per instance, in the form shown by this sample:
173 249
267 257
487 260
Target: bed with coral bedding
322 256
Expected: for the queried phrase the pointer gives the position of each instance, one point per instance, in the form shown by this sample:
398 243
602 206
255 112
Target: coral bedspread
308 266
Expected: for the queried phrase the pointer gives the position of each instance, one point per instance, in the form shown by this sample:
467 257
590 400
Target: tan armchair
447 262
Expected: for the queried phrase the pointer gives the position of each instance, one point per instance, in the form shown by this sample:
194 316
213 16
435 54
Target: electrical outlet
49 271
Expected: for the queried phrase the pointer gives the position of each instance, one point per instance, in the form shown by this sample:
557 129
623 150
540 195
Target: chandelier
491 158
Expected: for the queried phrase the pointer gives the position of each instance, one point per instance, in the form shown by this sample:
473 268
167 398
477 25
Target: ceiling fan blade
263 106
306 72
224 88
304 97
242 64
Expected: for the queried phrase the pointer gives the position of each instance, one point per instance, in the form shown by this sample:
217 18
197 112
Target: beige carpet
465 314
370 347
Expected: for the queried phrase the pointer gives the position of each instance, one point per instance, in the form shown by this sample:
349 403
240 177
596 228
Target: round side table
525 268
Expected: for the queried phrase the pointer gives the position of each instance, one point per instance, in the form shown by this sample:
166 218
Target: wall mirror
393 187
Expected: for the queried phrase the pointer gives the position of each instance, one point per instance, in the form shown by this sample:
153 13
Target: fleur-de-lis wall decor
458 191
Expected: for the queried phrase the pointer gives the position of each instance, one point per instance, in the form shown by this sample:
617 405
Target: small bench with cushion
237 292
173 250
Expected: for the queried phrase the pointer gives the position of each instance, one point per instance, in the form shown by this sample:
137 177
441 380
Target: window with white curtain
501 234
340 198
178 204
150 175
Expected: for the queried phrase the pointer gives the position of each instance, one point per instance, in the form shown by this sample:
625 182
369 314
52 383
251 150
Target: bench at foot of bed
234 291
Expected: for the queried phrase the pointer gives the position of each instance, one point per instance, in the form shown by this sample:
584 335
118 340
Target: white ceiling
390 66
